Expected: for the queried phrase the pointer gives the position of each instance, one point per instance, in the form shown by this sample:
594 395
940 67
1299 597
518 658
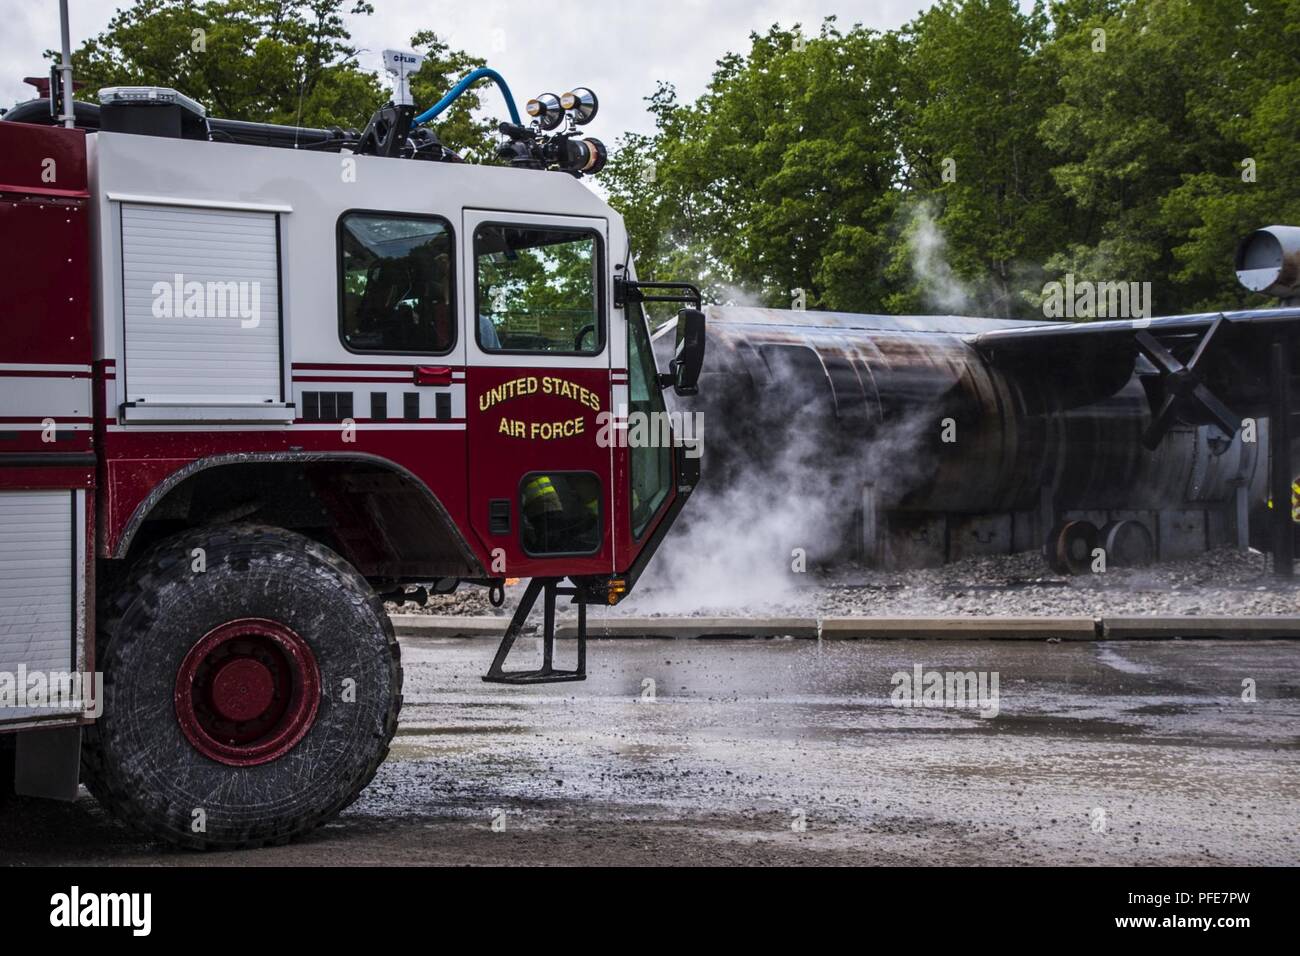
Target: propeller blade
1160 425
1228 420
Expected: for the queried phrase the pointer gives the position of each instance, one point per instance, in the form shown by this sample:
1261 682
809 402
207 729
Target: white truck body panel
226 263
42 596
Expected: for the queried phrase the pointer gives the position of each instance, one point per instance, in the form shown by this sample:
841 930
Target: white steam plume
734 547
940 287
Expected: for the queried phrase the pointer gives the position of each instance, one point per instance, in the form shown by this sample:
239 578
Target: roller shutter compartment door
38 581
201 298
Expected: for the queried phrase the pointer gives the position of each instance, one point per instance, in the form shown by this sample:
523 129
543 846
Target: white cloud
620 50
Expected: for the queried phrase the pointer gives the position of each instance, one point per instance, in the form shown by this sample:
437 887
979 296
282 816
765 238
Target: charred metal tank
927 450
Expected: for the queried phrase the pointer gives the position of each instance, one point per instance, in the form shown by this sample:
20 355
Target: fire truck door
536 322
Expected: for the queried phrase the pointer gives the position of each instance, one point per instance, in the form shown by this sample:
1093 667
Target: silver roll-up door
40 580
201 297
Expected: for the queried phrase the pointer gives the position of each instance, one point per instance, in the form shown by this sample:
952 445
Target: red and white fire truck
256 380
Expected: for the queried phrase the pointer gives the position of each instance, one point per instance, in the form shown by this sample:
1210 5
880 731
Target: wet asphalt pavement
787 752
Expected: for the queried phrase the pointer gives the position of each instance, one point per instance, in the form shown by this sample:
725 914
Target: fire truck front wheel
251 689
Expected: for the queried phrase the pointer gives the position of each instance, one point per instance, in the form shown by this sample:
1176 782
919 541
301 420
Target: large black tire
144 766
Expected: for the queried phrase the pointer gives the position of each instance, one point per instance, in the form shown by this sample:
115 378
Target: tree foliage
955 164
271 61
961 162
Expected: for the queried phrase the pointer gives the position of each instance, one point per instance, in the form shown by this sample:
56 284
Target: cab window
396 280
538 290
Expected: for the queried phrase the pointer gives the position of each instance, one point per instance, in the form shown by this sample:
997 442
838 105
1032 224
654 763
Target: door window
561 513
538 290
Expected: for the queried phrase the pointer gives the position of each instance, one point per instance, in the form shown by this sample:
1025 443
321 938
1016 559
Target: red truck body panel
47 346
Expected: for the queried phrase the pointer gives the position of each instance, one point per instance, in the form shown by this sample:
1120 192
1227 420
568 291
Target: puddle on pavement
468 729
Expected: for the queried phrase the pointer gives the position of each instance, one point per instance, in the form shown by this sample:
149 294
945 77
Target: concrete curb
1198 628
960 628
429 625
717 628
877 628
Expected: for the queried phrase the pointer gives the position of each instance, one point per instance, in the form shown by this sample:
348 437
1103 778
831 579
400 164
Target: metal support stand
1241 498
547 674
1046 513
1280 471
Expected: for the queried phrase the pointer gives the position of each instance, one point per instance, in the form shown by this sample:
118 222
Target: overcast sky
620 49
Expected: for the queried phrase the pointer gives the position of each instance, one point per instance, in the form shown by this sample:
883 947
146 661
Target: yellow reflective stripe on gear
1295 501
540 486
540 496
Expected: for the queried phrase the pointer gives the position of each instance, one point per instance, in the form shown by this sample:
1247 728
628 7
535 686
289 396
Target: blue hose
465 84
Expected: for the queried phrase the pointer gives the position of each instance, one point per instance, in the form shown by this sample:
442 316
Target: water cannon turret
540 146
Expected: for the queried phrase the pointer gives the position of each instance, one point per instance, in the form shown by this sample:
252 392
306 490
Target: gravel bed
467 601
1223 582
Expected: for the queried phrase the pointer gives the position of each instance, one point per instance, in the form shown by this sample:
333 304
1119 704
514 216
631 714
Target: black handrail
628 290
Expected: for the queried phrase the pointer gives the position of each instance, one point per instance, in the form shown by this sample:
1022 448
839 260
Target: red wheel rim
248 692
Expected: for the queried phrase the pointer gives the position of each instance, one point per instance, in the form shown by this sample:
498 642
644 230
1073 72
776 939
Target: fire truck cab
248 393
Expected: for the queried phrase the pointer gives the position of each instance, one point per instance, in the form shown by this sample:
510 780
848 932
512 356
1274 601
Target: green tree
273 61
818 163
1251 181
1107 138
1153 129
669 230
457 128
973 89
800 130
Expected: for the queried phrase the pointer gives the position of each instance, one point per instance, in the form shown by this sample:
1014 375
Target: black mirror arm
626 290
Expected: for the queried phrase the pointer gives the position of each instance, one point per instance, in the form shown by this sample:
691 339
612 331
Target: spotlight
546 109
582 103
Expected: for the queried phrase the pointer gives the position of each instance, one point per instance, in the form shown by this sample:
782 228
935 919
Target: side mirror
688 358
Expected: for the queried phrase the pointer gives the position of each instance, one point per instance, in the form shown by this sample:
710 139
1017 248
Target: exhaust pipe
65 69
1268 261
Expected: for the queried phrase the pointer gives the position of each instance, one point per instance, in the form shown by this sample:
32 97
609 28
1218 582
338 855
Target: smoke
735 546
784 479
781 484
940 287
734 295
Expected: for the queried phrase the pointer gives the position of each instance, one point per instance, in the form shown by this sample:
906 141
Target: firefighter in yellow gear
548 528
540 497
1295 501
